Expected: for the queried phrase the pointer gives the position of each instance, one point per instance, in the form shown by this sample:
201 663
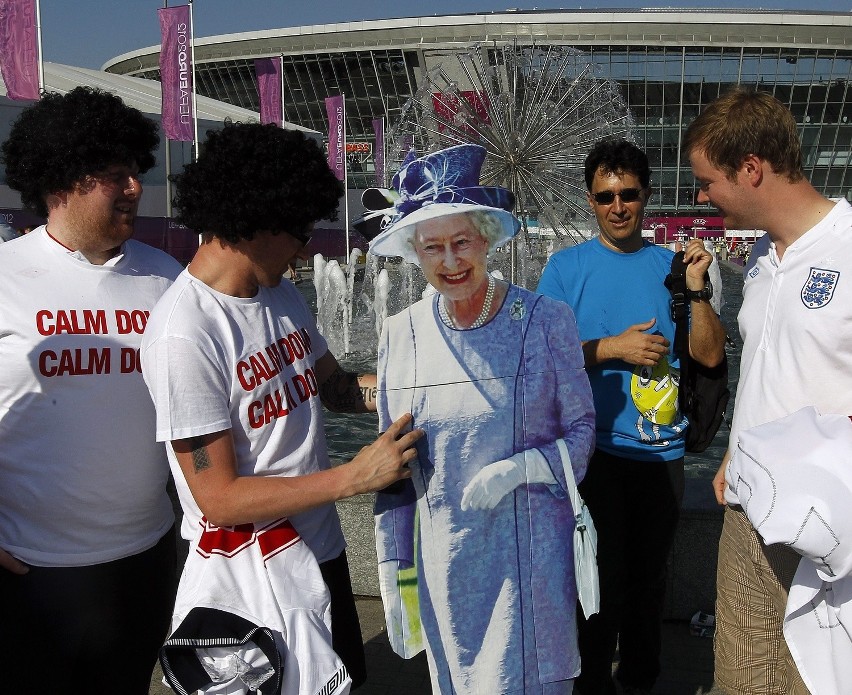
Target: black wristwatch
705 292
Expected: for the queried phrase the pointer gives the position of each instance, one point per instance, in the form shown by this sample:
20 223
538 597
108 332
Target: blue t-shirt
636 407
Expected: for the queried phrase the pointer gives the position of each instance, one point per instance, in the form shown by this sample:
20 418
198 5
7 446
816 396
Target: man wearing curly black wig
239 375
87 543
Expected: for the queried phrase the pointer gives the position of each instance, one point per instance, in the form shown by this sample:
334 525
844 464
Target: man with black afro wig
66 138
87 540
250 179
239 374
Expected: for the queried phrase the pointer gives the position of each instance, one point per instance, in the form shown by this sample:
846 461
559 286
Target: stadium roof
142 94
651 26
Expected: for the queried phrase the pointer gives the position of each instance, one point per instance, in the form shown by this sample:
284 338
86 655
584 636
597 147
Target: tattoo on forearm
200 459
342 393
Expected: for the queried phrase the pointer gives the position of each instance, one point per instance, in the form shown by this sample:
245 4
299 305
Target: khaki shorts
752 581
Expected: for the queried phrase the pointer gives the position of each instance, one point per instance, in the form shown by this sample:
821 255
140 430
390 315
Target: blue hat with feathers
435 185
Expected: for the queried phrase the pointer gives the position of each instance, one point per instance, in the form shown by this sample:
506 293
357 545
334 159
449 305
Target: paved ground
687 660
687 667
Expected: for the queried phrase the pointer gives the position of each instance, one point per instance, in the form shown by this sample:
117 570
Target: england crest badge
819 287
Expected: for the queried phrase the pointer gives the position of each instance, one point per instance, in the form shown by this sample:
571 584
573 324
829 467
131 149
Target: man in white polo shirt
796 325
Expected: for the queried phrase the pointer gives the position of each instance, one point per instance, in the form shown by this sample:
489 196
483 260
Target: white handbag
585 541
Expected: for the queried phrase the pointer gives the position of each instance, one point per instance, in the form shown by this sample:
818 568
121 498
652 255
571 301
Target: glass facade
665 87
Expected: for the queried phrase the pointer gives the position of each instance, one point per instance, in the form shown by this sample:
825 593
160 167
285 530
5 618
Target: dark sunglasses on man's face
300 236
627 195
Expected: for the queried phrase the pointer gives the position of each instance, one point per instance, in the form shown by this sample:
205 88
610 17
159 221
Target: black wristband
705 292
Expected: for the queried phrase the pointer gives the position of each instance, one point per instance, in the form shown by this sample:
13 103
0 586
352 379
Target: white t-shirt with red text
214 362
82 478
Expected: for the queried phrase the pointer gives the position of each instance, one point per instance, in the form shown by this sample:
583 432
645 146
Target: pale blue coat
496 588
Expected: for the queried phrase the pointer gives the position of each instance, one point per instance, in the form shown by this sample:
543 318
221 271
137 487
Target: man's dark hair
251 177
61 139
617 156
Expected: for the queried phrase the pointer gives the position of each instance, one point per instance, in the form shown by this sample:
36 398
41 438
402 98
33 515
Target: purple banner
336 136
176 73
379 151
268 71
19 48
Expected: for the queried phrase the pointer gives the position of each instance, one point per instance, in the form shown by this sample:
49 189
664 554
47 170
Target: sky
88 33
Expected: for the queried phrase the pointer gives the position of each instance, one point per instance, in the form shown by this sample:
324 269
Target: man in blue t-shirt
634 484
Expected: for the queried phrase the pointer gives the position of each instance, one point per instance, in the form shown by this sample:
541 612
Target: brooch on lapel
518 310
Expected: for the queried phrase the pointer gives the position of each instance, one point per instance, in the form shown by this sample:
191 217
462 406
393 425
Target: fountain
335 289
537 110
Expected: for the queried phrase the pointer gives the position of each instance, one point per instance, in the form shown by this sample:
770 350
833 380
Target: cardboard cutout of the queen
475 551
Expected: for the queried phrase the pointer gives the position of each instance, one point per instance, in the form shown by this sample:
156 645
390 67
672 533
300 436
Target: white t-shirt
266 575
82 478
796 325
214 362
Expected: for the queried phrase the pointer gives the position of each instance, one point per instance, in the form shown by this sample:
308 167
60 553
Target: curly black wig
251 177
63 138
615 156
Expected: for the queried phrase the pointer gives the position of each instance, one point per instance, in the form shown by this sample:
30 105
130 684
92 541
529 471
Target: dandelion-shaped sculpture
537 110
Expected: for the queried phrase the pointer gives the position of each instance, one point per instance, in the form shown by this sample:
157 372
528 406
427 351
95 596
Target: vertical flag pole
194 91
385 125
281 58
345 179
38 39
336 110
168 164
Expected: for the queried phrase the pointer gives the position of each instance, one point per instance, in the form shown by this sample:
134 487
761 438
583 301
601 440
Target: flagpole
38 39
194 99
281 58
168 158
385 124
345 178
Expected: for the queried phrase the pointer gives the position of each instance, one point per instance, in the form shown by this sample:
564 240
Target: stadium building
667 63
153 224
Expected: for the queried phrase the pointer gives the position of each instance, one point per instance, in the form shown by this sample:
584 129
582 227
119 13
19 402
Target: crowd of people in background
119 369
9 233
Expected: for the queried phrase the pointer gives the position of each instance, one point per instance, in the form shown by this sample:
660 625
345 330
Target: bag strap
571 482
676 283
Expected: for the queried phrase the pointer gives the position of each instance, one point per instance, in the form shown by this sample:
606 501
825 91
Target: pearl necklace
483 315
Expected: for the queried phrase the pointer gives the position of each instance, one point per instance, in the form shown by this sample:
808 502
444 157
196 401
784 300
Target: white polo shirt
796 326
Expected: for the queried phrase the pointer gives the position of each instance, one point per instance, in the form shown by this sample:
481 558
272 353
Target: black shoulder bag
703 391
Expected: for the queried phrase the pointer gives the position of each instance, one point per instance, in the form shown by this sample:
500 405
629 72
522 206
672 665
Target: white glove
498 479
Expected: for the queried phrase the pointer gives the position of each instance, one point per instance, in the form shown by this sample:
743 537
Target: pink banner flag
268 71
176 73
19 48
448 107
336 136
379 152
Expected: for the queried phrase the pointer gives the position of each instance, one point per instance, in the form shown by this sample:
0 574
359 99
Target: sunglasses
627 195
304 239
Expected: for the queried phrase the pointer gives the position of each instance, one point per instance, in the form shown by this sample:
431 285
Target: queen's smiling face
453 255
